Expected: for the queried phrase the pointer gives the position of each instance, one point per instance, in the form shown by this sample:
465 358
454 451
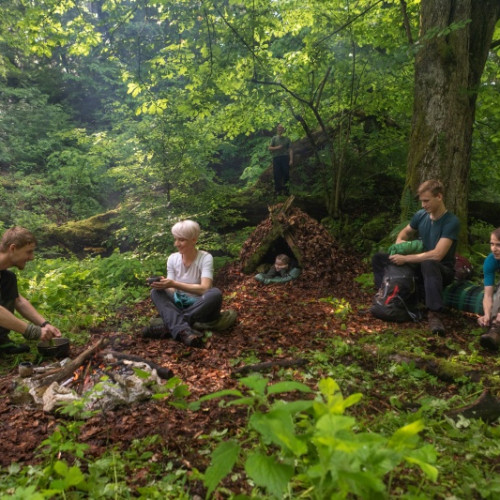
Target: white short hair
188 229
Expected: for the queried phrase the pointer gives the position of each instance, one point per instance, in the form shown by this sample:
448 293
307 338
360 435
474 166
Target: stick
69 368
164 373
486 407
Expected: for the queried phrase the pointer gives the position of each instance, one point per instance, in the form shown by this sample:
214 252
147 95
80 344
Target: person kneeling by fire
186 300
17 247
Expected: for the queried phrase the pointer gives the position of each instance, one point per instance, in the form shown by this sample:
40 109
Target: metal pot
56 348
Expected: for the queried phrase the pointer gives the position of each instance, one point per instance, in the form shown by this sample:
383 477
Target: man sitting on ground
17 247
438 229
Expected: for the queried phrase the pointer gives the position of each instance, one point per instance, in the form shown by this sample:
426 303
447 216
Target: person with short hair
17 247
185 298
438 230
282 154
491 299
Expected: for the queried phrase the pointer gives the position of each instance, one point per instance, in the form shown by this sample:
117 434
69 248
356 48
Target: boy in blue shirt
491 300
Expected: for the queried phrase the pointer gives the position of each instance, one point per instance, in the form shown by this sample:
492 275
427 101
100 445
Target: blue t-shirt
490 267
431 231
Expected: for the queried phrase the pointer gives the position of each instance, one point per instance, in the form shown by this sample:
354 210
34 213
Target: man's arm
487 304
406 234
26 310
11 322
438 254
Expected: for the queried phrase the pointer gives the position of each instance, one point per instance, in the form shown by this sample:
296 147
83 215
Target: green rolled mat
464 296
407 247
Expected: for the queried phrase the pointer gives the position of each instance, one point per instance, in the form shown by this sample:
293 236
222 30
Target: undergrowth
309 434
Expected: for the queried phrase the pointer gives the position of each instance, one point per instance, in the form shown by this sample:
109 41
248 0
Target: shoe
190 338
10 348
155 330
435 324
225 321
491 339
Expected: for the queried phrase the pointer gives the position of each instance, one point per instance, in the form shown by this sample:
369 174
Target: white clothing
201 267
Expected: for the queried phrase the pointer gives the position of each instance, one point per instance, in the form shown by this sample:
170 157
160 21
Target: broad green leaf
256 383
406 436
223 459
268 473
221 394
277 427
288 387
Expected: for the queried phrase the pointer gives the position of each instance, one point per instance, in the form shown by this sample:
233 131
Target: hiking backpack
463 268
396 298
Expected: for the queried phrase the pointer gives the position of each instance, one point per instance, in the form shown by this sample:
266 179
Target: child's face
279 265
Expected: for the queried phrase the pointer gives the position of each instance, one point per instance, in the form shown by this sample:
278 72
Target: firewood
486 407
68 369
164 373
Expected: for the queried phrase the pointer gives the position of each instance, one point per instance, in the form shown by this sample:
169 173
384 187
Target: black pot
57 348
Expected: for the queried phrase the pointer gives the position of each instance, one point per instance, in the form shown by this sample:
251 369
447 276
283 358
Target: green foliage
77 294
311 447
88 477
341 307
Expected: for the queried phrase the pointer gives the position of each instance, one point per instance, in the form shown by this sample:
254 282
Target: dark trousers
206 308
432 277
281 172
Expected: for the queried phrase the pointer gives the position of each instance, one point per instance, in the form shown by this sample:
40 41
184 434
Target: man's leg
495 308
277 175
6 344
435 276
491 339
286 175
379 262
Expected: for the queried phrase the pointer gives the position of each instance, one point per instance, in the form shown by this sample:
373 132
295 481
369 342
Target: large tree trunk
455 38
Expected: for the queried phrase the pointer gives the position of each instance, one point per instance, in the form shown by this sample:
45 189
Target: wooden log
486 407
441 368
260 367
164 373
69 368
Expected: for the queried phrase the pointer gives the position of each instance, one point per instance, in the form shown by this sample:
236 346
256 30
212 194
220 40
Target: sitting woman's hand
162 284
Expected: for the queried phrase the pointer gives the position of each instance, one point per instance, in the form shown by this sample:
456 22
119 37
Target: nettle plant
311 448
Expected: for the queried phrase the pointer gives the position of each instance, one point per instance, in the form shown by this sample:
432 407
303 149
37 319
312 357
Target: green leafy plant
311 447
341 307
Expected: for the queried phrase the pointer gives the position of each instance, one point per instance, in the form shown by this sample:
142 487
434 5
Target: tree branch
347 23
406 21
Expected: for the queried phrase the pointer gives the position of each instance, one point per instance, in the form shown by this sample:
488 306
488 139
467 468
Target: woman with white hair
186 298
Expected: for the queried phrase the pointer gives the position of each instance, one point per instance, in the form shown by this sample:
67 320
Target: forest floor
291 321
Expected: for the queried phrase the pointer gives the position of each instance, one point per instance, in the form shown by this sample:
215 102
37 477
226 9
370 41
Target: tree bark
454 42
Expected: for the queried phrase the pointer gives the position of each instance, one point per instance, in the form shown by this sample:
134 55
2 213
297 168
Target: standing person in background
282 154
186 300
17 247
491 301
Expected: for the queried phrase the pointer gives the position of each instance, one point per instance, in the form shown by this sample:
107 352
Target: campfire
99 377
